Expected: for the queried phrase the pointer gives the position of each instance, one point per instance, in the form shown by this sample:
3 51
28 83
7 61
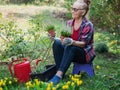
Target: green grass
106 78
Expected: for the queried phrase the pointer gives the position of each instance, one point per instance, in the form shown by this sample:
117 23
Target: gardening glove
67 41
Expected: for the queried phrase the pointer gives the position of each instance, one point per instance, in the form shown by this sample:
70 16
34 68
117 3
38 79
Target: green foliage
65 33
17 1
105 14
4 1
106 37
0 15
35 2
14 39
36 45
68 5
15 48
101 48
50 27
68 15
107 77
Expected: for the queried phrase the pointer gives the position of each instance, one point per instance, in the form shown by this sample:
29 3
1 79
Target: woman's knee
57 44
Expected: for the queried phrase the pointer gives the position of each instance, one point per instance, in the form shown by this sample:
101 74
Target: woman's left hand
67 41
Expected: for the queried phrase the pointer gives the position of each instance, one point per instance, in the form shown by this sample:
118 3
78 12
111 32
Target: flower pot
46 75
61 38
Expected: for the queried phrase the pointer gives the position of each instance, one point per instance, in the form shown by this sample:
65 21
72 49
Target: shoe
56 79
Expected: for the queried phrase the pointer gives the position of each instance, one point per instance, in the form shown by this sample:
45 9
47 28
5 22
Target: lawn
106 65
107 74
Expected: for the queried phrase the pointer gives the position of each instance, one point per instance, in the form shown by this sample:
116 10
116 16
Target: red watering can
21 69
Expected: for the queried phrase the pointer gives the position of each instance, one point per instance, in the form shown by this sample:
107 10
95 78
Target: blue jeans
65 55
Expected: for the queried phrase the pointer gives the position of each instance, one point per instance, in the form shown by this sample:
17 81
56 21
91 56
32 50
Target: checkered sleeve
87 33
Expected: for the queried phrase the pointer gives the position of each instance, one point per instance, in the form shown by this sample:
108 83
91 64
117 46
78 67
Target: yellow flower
113 42
15 79
77 76
72 78
72 83
29 84
70 75
1 88
10 82
48 88
51 83
98 67
3 83
65 87
28 87
68 83
6 78
26 83
37 82
0 84
53 88
79 82
58 85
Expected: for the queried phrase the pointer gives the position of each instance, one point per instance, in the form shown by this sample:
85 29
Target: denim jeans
65 55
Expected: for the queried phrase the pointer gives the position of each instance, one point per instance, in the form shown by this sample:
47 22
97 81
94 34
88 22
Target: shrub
101 48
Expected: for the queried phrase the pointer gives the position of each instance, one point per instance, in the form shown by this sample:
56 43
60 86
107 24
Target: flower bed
74 83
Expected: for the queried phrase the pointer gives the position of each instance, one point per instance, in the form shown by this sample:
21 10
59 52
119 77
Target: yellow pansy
98 67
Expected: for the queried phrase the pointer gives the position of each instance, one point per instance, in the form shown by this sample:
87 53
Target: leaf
0 15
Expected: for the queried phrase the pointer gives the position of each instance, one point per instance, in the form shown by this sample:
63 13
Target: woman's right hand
52 38
67 41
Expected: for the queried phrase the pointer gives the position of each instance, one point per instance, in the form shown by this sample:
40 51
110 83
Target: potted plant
51 30
64 33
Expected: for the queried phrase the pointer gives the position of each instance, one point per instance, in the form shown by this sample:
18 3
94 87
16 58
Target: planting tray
46 75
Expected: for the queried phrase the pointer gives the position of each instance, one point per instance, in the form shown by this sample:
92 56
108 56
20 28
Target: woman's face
77 10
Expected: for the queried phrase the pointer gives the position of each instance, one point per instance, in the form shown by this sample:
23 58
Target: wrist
73 42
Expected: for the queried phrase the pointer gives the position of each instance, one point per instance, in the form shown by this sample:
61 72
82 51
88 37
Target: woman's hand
67 41
52 38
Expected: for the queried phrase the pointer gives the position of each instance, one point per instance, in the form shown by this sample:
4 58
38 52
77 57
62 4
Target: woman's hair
87 2
86 5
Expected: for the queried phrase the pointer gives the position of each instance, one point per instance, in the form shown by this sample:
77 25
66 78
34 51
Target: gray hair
84 5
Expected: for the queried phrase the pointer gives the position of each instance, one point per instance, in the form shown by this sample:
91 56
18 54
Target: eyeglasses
75 9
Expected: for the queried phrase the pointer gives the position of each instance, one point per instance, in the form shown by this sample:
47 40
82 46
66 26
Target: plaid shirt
86 34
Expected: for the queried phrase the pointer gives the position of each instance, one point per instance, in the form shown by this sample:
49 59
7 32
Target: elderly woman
79 47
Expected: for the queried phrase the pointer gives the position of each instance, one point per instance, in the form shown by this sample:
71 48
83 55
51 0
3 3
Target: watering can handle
36 63
11 63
